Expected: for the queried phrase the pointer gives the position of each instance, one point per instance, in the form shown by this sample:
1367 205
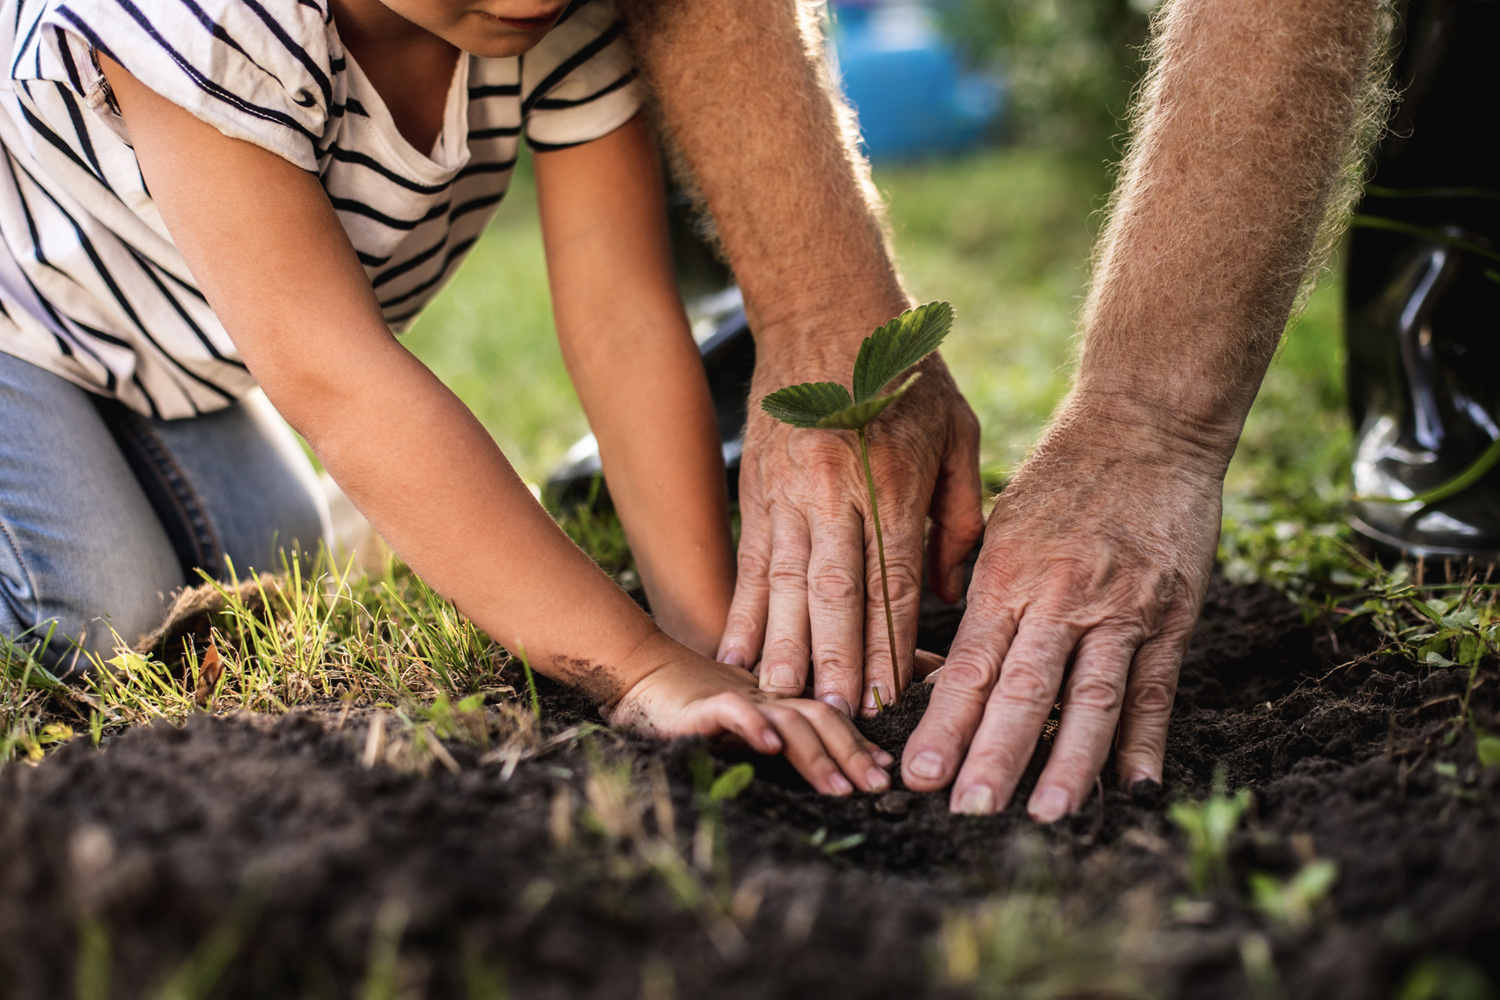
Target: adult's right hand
808 591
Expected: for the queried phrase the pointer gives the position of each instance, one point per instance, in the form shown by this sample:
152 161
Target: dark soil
250 856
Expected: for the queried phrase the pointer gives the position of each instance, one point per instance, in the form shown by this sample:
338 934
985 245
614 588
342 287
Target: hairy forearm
744 95
1246 129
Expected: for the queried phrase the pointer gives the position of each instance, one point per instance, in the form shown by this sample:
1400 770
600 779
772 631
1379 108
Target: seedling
883 356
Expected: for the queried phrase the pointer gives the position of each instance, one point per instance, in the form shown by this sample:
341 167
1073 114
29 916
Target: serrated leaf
733 781
806 404
852 418
898 345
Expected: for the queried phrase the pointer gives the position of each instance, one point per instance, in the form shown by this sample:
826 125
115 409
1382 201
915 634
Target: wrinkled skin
808 592
1094 568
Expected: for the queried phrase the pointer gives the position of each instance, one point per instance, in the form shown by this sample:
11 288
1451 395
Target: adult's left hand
1094 567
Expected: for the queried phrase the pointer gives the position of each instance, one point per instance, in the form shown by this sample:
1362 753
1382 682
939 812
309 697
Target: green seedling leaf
731 783
1488 749
858 416
898 345
808 404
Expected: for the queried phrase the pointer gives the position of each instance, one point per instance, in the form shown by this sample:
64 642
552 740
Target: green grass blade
898 345
806 404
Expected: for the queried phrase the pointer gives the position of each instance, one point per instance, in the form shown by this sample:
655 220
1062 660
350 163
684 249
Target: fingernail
1139 775
882 758
877 779
840 785
977 800
838 702
1050 804
734 658
783 678
871 704
771 743
927 764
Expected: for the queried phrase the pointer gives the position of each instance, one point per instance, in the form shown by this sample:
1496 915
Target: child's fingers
738 715
805 749
855 755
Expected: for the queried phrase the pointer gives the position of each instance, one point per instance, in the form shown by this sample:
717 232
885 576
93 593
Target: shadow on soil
252 856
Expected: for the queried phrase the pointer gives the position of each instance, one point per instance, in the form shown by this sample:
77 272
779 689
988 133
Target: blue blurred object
904 81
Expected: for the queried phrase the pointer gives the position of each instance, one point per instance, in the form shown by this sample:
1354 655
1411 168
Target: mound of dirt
258 857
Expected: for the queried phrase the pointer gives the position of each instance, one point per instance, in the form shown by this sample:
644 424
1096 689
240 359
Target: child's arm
638 373
269 253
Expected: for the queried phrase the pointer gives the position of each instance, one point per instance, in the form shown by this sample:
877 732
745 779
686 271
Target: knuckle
1025 683
903 581
965 676
1102 693
1152 696
787 574
835 583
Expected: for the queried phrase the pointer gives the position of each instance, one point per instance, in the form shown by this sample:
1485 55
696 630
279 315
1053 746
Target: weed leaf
898 345
806 405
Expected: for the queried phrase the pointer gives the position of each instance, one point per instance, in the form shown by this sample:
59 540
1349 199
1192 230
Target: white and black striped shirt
91 285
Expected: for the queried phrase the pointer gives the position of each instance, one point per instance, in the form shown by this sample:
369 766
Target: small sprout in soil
882 358
731 783
1488 749
1292 903
1208 826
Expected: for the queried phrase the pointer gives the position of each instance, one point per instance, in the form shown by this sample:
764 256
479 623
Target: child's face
485 28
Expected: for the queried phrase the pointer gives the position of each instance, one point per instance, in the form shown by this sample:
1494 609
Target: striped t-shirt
91 285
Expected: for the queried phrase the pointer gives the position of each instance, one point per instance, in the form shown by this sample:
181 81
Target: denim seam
36 606
204 539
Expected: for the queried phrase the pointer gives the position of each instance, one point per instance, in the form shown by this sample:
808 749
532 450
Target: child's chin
498 43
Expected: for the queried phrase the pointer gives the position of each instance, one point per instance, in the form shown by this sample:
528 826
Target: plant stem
885 589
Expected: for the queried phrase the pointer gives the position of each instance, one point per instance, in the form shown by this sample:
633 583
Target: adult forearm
1247 129
744 95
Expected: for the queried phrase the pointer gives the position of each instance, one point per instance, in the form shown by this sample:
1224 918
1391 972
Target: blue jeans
105 513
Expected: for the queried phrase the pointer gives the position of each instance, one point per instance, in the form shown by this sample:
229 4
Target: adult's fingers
784 658
903 582
925 664
1019 704
836 604
1149 694
744 630
1091 703
937 746
957 510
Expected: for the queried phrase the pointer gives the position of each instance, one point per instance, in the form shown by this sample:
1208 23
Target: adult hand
808 588
1093 571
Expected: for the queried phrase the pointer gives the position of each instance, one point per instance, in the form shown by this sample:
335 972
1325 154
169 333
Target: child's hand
700 697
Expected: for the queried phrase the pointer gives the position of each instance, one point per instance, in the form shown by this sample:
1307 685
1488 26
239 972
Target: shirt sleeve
579 83
257 70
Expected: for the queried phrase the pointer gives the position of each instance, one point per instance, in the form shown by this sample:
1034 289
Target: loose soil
259 857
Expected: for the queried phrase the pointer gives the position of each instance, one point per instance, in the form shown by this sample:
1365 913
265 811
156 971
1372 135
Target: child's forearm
432 481
637 371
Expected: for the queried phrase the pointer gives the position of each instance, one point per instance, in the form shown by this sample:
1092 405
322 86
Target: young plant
883 356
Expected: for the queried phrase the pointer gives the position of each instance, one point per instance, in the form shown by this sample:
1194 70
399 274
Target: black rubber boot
1423 294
